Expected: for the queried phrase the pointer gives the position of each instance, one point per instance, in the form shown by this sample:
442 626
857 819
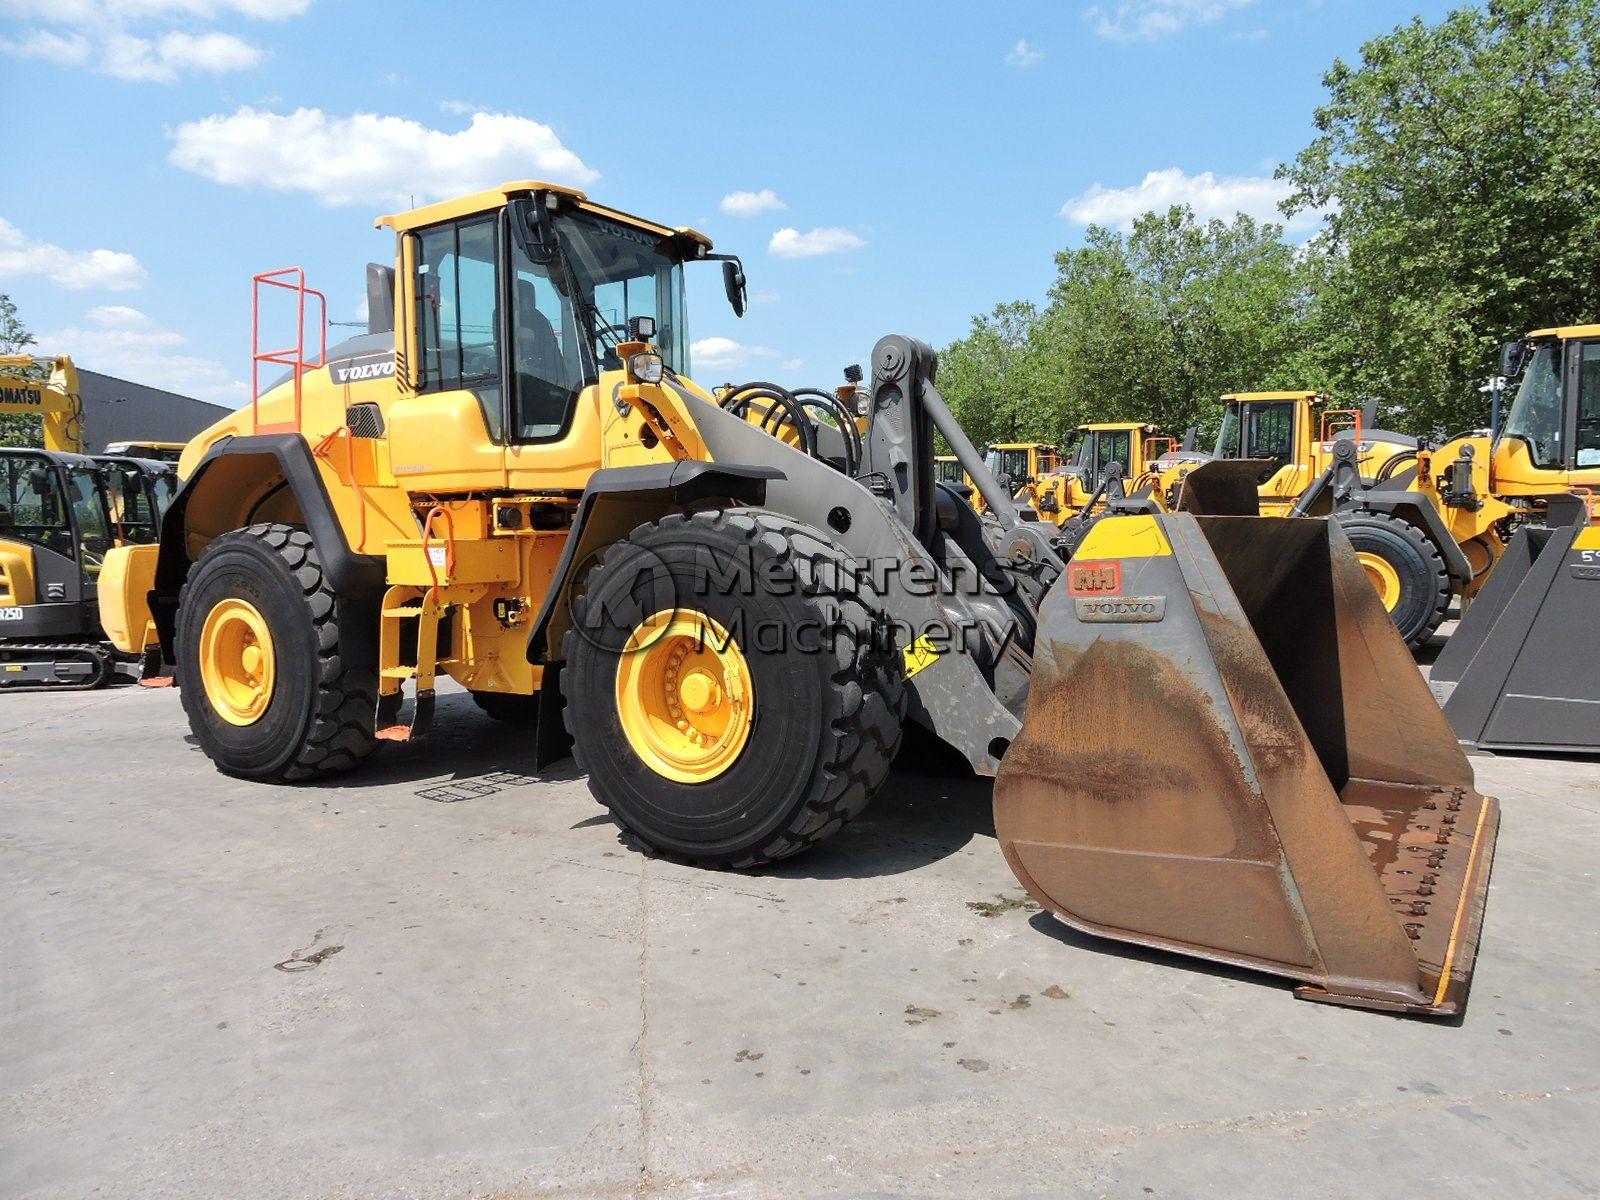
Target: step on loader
728 607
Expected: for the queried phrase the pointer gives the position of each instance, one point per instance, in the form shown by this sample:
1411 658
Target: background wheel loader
517 484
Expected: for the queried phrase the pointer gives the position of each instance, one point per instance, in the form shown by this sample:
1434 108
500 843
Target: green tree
990 378
1157 323
16 429
1152 325
1459 165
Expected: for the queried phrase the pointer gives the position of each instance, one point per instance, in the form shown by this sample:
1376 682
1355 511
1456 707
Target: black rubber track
1424 578
327 720
864 699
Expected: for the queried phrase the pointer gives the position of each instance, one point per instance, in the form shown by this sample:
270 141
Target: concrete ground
445 978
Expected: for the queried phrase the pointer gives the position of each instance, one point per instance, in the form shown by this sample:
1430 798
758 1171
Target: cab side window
458 327
1588 440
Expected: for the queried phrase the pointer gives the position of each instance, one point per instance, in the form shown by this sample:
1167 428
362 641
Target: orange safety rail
290 279
1330 429
1151 453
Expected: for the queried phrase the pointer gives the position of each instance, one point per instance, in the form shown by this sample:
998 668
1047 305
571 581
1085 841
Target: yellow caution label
920 655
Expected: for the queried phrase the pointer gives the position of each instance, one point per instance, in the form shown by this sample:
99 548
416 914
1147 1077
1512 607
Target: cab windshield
1228 437
1535 415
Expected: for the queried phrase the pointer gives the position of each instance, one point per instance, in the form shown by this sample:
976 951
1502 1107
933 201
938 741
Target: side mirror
1511 358
1004 481
733 282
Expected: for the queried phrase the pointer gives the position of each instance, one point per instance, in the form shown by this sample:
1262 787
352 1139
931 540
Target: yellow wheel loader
1431 524
1105 460
517 484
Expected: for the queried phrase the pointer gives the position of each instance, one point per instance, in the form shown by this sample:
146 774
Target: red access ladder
289 279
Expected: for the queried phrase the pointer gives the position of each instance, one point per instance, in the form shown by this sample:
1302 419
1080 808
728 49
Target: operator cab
527 304
1556 412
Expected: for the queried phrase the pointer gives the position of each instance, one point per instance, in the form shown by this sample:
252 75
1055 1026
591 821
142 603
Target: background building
117 410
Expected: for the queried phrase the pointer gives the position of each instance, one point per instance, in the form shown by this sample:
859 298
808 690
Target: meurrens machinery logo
33 397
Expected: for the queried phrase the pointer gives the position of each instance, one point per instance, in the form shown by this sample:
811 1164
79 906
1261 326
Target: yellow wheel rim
684 696
1385 579
237 664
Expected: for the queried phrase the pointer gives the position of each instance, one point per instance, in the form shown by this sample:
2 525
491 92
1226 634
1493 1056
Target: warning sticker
920 655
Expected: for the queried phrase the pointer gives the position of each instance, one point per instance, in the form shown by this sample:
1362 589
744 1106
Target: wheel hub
1385 579
238 668
684 696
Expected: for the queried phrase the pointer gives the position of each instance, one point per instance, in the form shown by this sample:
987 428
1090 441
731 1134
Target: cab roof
492 198
1115 426
1567 331
1248 397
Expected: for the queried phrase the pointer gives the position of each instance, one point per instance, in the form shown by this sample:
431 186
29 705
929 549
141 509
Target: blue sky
905 165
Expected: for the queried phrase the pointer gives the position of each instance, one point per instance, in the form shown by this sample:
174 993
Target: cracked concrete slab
446 978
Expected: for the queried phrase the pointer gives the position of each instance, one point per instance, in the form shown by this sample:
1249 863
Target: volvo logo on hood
359 370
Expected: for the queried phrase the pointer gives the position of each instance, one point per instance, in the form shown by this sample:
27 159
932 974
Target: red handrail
293 357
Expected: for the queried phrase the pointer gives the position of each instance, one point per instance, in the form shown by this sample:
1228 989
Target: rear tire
1413 569
318 716
826 709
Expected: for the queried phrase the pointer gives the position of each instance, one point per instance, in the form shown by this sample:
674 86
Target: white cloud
750 204
1023 56
122 341
164 59
63 49
1206 193
73 269
368 158
791 243
459 108
140 41
1150 20
719 353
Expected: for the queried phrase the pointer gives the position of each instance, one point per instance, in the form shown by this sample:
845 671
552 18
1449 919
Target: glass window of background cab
1114 447
84 486
1228 445
129 502
1270 431
30 503
1588 443
458 335
1535 415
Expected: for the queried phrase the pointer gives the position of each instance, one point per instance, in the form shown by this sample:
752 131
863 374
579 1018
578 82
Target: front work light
646 368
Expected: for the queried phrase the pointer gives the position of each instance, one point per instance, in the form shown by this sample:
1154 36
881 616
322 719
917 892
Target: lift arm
54 400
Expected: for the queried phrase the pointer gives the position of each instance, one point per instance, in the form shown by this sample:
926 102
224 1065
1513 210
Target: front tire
785 735
1405 568
273 687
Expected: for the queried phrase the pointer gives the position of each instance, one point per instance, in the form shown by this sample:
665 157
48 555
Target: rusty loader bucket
1228 752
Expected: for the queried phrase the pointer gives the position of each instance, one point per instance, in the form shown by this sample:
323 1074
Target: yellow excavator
61 512
1206 734
53 399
